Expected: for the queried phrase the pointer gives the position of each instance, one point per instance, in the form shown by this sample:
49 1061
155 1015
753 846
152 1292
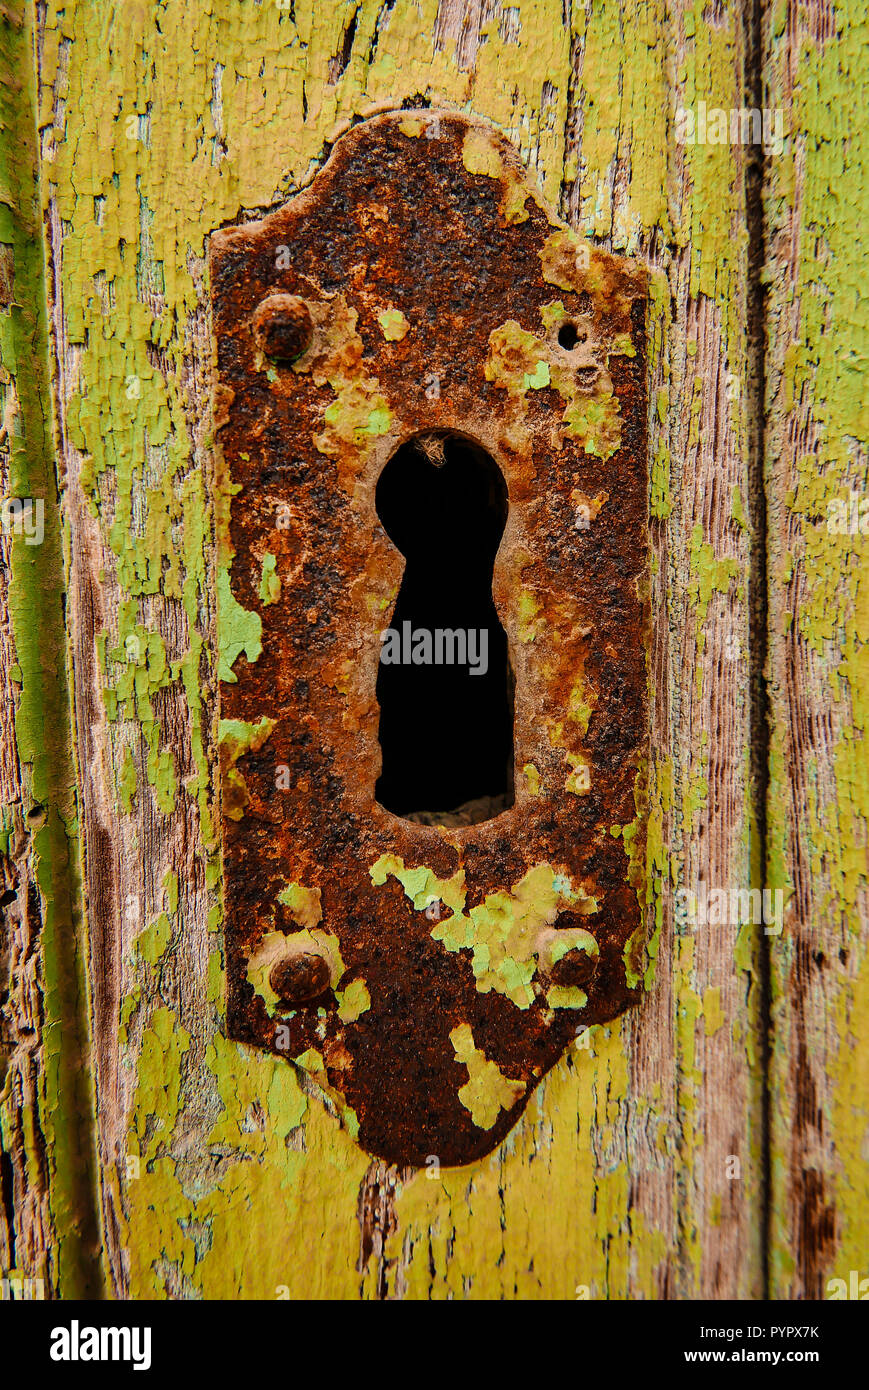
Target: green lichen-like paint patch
708 574
555 944
393 325
644 872
581 703
359 411
238 737
595 422
480 156
236 796
354 1001
519 361
421 885
536 380
170 887
621 346
151 943
514 357
532 779
568 262
312 1062
530 617
566 997
487 1091
506 933
238 630
270 583
145 670
127 781
304 904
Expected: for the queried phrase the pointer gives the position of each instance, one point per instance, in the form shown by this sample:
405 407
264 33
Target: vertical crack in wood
378 1220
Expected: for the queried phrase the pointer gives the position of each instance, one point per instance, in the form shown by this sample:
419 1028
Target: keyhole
444 684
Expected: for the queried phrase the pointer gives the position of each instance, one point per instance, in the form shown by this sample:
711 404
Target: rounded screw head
300 977
283 327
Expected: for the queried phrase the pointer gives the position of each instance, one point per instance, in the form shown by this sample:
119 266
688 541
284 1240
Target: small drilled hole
568 336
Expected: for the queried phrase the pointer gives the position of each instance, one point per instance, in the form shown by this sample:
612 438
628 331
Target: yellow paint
480 156
304 903
487 1091
713 1016
532 779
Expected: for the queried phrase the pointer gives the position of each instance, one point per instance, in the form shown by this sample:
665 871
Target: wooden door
710 1143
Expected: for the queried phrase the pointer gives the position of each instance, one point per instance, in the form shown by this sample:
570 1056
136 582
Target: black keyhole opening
446 726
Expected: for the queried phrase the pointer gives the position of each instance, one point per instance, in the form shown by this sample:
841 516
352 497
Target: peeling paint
487 1091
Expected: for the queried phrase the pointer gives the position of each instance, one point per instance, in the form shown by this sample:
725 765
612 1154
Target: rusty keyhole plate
427 975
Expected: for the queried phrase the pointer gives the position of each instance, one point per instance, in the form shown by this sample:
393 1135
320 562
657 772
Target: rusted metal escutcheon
428 972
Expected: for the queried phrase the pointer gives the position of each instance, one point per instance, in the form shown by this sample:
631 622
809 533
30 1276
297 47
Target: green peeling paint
304 904
238 630
487 1091
708 575
270 584
393 325
354 1001
481 156
358 412
509 932
238 737
519 361
151 943
127 782
532 779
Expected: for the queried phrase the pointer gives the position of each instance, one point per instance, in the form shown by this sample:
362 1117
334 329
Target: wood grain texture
637 1169
48 1227
819 790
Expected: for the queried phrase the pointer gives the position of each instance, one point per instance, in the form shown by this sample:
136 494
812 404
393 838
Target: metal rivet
283 327
300 977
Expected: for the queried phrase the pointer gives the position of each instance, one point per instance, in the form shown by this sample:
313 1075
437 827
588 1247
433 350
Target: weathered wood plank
48 1228
816 199
218 1165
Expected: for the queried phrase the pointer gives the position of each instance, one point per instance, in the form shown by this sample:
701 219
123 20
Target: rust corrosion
457 961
